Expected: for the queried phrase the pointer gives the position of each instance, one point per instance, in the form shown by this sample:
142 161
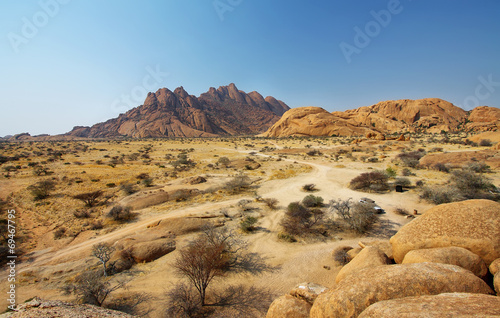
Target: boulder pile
445 263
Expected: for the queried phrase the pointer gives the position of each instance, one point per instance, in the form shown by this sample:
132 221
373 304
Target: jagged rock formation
431 115
222 111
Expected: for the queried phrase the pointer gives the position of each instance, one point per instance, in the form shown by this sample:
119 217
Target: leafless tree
212 254
92 288
103 251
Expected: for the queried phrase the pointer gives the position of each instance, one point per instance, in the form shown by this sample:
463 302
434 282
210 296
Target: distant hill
222 111
430 115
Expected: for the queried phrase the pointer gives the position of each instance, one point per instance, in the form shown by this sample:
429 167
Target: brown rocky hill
428 115
222 111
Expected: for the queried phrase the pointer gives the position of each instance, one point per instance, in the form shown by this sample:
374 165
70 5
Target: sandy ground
298 262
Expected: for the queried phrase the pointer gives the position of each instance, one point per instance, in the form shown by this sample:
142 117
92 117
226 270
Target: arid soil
47 263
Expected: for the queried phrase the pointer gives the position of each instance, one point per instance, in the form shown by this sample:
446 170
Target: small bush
309 187
478 167
300 220
148 182
341 255
401 211
390 172
96 225
471 185
59 233
272 203
485 143
356 216
248 224
407 172
401 181
286 237
183 301
441 167
440 195
410 159
311 201
120 213
42 189
129 188
81 214
238 183
143 176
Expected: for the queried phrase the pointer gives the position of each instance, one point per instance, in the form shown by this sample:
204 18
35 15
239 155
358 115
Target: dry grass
106 165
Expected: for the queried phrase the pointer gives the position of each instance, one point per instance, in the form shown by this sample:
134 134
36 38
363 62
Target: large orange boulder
449 255
370 285
288 306
149 251
439 306
472 224
368 257
495 266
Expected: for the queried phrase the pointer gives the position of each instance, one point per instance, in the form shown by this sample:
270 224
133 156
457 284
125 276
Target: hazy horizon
71 63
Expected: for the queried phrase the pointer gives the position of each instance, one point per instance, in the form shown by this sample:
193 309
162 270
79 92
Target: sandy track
299 262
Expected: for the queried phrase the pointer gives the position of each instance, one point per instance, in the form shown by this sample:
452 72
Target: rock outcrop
439 306
369 257
495 266
431 115
370 285
449 255
288 306
314 121
222 111
490 157
38 308
472 224
296 304
484 118
149 251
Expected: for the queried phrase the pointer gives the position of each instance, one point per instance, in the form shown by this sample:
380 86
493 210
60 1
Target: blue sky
73 62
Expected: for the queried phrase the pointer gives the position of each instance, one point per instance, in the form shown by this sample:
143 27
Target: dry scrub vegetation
98 216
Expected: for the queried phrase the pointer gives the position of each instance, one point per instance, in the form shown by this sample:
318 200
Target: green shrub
286 237
311 201
370 181
42 189
390 172
248 224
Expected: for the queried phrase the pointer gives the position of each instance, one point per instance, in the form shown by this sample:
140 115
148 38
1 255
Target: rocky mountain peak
225 111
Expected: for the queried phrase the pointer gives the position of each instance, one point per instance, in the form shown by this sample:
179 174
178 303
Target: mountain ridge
222 111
